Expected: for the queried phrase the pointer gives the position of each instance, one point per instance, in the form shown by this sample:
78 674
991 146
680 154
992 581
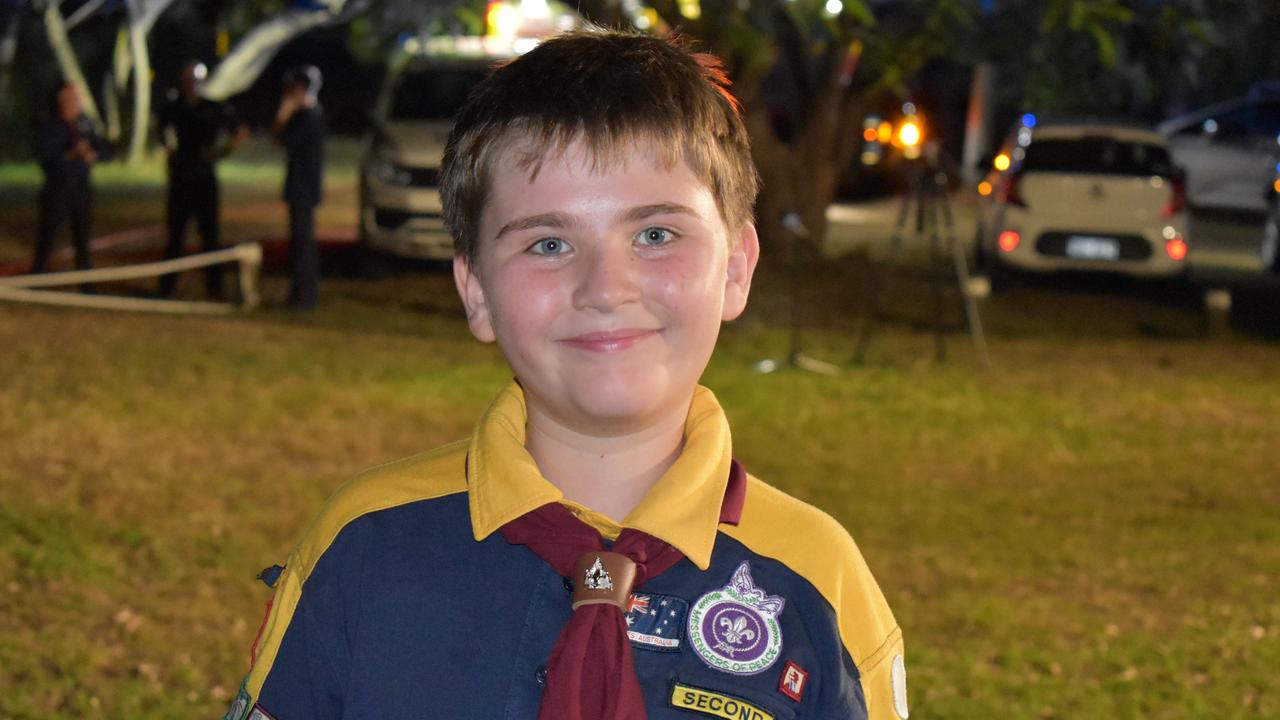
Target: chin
629 401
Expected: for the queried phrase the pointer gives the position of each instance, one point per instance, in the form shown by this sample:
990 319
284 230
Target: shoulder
435 474
817 547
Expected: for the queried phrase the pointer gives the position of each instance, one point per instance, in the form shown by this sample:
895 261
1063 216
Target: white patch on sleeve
898 676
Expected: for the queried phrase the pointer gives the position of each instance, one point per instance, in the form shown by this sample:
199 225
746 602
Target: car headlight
389 173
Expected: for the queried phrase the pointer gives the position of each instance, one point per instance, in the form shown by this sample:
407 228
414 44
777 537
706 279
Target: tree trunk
56 31
8 49
141 91
111 106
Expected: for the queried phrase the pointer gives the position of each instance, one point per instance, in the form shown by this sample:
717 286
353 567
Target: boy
599 190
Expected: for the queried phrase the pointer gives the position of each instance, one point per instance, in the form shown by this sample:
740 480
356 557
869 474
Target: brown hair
614 91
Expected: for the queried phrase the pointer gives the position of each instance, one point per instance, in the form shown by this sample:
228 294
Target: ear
743 257
472 293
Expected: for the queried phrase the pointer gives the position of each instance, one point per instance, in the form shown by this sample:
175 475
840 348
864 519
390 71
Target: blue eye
548 246
655 236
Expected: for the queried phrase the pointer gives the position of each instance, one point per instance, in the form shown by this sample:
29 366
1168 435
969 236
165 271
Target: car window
1096 156
432 94
1257 120
1266 119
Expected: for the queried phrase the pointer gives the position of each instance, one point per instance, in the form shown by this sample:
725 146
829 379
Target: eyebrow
644 211
554 220
559 221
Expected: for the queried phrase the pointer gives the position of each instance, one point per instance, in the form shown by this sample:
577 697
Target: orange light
1276 185
1176 249
884 133
984 188
1001 162
870 134
501 20
909 133
1008 240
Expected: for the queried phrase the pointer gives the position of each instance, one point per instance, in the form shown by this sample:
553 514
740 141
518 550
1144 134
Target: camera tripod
927 196
795 356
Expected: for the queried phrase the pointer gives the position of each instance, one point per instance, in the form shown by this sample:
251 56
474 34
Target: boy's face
604 288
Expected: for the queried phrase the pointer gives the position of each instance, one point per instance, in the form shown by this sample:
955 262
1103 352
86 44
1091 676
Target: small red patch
793 681
253 650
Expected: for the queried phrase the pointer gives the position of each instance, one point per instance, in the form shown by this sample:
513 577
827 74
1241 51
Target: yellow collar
682 508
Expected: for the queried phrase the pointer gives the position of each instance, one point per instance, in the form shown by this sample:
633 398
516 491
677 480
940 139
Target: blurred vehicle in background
400 212
1089 196
1270 248
431 76
1228 150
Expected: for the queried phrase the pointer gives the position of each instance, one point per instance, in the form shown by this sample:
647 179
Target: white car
400 211
1228 151
1085 197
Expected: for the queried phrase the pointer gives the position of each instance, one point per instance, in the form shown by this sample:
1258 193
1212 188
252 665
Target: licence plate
1089 247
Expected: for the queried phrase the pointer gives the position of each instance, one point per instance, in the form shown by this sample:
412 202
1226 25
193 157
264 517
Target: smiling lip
611 341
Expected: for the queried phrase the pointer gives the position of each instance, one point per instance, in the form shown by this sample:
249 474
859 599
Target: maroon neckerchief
591 674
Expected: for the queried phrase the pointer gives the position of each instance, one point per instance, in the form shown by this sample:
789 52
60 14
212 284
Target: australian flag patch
656 622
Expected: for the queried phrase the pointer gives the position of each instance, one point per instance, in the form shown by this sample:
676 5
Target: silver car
1270 248
400 212
1228 150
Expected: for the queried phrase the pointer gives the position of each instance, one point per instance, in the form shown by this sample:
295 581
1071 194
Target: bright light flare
1009 240
834 7
1001 162
1176 249
502 20
909 133
984 188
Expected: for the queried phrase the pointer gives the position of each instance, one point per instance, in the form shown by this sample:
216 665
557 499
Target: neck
609 474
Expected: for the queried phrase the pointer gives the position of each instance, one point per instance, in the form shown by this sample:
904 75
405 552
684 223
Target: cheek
529 304
694 284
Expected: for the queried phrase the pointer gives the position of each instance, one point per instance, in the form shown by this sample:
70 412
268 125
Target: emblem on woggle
735 628
597 577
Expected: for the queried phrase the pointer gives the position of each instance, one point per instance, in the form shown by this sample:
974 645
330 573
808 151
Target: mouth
609 341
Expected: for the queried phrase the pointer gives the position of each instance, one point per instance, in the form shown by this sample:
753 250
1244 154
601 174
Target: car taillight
1177 198
1176 248
1008 240
1009 193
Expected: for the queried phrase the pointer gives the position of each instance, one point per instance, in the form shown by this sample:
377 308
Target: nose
607 280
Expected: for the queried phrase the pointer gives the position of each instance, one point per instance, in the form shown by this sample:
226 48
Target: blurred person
299 127
67 146
196 133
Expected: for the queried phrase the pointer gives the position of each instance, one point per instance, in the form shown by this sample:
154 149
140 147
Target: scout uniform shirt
404 601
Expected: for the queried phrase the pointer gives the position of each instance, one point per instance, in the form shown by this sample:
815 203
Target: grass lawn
1090 530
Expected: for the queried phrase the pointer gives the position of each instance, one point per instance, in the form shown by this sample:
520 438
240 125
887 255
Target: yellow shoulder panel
814 545
426 476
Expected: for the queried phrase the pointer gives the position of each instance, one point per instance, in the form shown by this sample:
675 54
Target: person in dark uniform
67 145
299 127
196 133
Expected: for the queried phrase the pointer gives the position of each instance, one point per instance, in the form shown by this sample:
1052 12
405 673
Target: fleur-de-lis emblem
598 578
735 631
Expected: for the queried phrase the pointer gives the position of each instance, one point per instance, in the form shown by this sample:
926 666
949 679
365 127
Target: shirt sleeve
884 681
301 657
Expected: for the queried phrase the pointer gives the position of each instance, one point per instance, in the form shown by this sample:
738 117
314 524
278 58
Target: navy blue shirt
404 602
